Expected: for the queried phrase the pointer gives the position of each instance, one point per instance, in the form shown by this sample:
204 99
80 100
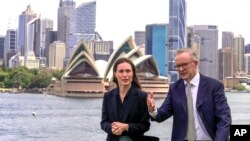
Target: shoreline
86 96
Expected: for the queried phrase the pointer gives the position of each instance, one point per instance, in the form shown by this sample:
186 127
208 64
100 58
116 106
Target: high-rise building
10 44
239 51
63 19
140 38
176 34
156 45
227 39
82 25
34 35
32 47
193 41
247 63
56 55
46 24
37 35
225 63
24 18
247 48
1 47
208 50
51 36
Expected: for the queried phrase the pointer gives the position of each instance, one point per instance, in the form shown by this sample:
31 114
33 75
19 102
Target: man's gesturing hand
151 102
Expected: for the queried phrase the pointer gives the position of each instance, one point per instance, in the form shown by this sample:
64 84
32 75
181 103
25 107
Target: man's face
186 66
124 74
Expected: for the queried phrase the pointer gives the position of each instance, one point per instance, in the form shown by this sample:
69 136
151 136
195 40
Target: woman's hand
118 128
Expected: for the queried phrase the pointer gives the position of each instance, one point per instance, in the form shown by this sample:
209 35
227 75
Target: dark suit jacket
211 106
136 113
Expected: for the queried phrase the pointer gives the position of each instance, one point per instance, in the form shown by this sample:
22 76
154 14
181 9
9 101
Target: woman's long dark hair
135 79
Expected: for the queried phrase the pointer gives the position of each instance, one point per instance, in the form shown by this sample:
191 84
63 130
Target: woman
124 113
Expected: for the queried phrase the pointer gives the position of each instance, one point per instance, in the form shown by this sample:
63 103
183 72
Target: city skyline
117 20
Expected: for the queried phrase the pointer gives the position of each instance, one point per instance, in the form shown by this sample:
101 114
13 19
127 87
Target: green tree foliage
3 67
3 75
57 74
240 87
41 80
19 78
34 71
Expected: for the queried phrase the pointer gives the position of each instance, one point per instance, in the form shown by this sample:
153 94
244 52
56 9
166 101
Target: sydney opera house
86 77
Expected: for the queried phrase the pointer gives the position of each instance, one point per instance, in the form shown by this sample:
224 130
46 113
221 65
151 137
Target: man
208 113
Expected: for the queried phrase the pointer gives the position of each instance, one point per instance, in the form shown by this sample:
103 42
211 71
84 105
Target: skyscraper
63 19
82 25
46 24
139 38
247 48
32 46
33 37
208 49
156 45
176 33
225 63
1 47
24 18
56 55
51 36
10 44
193 41
239 51
247 63
227 39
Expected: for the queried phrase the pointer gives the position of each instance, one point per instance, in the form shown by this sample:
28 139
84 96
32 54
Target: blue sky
118 19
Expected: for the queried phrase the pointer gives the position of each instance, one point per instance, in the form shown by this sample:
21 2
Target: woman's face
124 74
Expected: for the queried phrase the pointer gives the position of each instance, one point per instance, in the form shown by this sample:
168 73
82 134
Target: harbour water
38 117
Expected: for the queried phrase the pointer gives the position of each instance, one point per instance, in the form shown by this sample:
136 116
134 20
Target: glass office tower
176 33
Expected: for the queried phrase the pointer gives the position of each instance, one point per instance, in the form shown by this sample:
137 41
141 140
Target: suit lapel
183 96
182 93
201 92
114 103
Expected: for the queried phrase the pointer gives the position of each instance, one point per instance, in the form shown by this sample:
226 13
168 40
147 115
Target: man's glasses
183 66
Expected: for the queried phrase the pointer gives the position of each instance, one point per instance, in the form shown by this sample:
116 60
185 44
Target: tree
58 74
3 67
41 80
240 87
3 75
19 78
22 77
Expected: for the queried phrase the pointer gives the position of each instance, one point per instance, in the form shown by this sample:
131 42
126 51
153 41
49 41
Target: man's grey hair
191 52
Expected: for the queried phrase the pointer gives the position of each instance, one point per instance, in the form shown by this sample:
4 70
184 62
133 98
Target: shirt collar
195 81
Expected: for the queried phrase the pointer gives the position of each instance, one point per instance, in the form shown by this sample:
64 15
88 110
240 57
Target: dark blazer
136 113
211 106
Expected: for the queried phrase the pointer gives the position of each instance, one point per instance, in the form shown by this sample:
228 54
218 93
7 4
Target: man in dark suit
208 116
